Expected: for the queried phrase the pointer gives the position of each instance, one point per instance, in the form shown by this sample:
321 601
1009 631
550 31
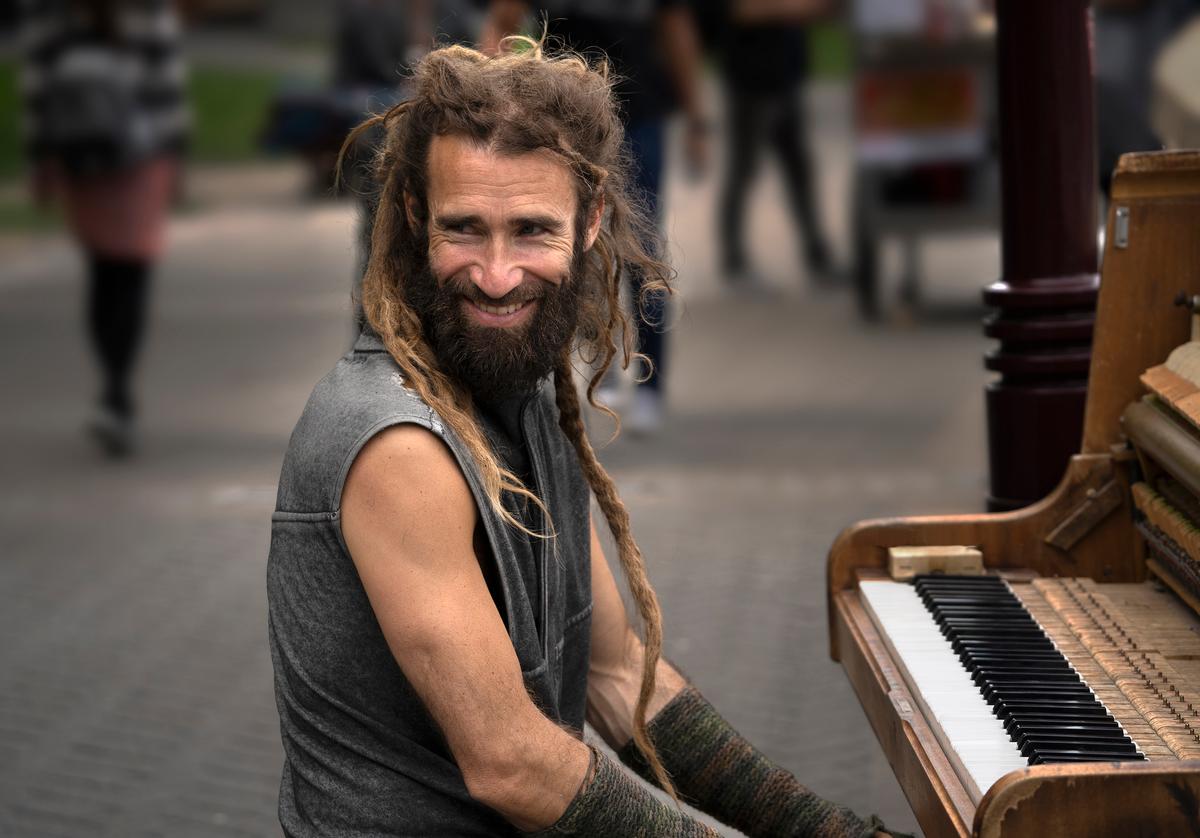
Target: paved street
135 682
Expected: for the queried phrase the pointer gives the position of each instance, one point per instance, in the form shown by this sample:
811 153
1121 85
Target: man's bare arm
681 47
615 672
408 518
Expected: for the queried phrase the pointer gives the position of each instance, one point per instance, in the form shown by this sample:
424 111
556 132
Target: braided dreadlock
520 101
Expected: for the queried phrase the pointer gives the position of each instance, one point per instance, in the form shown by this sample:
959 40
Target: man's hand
409 521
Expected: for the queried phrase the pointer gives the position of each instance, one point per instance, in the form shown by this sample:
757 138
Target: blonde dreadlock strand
571 421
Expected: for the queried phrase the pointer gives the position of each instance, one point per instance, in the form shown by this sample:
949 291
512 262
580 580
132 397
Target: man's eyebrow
552 223
464 220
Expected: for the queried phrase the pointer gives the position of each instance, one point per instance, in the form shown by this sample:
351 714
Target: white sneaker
645 415
113 432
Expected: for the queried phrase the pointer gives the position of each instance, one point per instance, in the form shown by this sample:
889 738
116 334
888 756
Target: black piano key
1057 678
1033 687
1040 671
1050 681
1085 734
994 693
935 580
1012 645
995 634
975 644
1013 656
1075 755
966 610
974 611
1018 721
1033 725
1087 706
1099 750
1052 671
1043 742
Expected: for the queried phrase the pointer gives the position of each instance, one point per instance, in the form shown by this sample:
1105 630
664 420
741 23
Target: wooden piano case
1085 528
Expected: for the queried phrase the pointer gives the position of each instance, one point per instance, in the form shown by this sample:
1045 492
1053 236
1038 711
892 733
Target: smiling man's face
498 294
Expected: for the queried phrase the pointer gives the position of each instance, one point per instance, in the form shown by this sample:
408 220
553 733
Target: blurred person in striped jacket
105 124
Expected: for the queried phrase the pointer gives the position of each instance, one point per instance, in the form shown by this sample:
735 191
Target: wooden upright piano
1080 653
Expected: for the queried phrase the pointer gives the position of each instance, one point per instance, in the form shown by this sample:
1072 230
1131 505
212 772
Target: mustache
530 289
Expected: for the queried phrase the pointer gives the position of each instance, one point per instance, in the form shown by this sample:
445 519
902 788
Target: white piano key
973 738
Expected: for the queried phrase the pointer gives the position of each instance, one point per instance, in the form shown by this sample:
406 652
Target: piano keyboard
996 690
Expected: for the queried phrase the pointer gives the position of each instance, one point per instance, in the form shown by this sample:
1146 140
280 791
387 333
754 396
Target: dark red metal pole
1045 300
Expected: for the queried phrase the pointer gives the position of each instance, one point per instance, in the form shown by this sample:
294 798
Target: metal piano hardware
1107 568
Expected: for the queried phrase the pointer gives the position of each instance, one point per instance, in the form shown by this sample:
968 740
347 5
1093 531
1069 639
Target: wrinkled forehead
465 175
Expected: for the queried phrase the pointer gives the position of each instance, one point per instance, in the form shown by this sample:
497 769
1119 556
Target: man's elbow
501 775
527 779
493 777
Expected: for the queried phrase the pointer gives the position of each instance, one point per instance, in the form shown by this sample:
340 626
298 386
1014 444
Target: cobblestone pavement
135 683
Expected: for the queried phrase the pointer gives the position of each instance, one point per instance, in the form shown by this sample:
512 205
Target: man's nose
497 273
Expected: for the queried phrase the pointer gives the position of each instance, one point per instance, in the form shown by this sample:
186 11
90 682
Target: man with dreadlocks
442 618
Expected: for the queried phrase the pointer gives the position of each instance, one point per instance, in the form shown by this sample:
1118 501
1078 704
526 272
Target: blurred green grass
830 52
229 108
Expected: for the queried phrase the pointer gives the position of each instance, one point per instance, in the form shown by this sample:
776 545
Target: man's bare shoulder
405 486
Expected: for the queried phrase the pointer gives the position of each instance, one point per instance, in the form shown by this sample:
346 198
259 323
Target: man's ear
412 210
594 219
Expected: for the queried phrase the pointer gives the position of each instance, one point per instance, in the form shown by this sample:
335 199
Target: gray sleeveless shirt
362 755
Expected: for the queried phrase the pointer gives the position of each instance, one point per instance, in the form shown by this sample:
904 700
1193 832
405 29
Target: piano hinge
1098 505
1121 228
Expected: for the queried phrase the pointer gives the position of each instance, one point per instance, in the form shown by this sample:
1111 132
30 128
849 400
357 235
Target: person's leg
789 136
646 141
117 294
745 136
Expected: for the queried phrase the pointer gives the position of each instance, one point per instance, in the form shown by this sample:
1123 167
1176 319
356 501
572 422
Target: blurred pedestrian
106 121
764 54
377 41
1128 36
654 48
373 41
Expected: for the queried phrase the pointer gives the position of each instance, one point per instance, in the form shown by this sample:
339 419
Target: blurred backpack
90 117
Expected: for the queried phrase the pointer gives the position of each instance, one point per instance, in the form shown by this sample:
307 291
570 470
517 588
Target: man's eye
530 230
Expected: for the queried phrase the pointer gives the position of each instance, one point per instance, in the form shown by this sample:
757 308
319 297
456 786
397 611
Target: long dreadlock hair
519 101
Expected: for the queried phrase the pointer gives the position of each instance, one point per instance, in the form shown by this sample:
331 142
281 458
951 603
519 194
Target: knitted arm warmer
611 803
720 773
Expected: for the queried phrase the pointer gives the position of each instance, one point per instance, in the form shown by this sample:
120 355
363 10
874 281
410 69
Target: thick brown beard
495 363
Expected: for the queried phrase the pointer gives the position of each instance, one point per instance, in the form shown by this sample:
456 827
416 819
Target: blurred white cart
925 161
